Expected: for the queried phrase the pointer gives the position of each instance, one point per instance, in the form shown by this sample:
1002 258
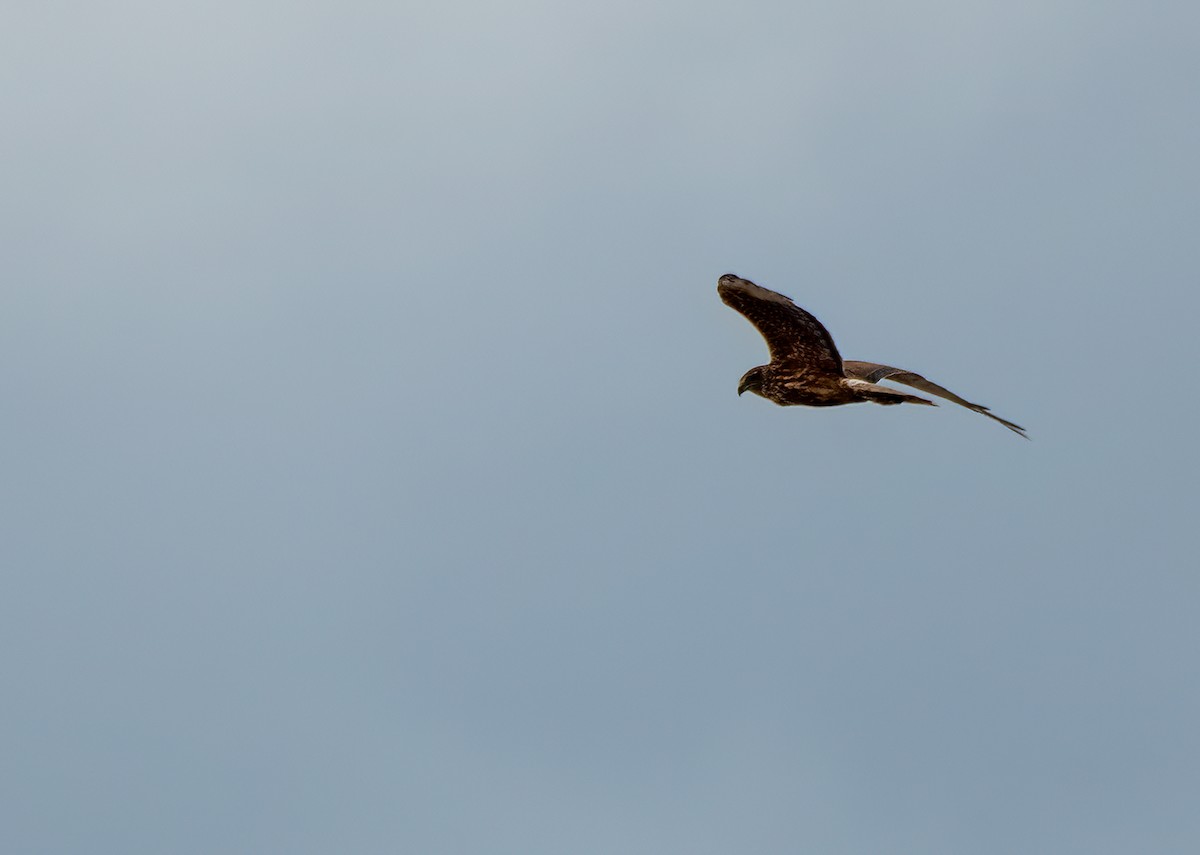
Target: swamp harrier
805 366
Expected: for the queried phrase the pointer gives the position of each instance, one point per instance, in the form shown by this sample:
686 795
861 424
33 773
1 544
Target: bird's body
806 368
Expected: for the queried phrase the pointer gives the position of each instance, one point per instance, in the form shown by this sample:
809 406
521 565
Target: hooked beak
743 386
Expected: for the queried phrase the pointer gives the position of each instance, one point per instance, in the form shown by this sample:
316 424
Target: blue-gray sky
374 478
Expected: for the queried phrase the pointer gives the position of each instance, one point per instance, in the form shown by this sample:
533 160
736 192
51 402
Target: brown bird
805 366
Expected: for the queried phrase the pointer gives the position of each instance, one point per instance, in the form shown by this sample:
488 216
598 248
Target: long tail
884 394
872 372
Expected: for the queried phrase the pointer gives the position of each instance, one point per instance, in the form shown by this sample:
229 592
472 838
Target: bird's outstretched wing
796 339
873 372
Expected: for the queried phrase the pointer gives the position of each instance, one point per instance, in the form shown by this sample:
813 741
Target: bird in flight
805 366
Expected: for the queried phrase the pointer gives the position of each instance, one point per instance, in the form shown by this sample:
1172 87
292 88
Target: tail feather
872 372
884 395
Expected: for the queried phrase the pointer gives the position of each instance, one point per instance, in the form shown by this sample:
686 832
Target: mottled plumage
805 366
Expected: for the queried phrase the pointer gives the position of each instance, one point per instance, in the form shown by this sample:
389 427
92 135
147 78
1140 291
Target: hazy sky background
374 478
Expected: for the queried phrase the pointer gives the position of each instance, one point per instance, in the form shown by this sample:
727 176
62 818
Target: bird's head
752 381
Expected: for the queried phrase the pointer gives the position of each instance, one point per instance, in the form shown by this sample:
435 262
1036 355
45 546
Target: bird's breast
807 391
